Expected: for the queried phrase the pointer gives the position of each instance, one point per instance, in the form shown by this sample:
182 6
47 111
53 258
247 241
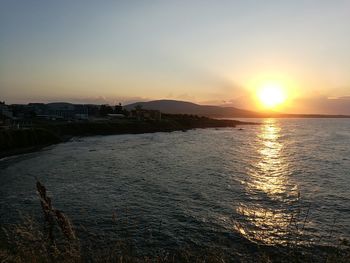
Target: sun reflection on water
266 216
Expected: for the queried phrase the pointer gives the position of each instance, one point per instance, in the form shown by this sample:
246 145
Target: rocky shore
17 141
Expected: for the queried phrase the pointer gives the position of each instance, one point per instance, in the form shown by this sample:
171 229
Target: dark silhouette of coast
44 133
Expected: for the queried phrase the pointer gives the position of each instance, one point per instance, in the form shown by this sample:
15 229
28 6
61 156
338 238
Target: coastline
21 141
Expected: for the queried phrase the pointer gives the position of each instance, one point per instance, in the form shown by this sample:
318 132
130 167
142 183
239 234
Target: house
6 116
38 108
67 111
60 110
81 112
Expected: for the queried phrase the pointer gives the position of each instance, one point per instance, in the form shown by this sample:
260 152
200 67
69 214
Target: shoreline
32 140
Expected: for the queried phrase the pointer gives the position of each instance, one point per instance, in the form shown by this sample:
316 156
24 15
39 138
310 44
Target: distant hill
183 107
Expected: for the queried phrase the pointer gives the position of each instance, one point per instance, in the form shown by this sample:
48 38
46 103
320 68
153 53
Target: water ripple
203 187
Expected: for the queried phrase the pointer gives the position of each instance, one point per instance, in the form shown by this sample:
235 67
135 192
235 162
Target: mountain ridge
185 107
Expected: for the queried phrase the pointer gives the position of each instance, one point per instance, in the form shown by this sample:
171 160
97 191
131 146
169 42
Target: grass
55 240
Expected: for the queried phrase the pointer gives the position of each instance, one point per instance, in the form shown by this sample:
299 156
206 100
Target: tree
118 108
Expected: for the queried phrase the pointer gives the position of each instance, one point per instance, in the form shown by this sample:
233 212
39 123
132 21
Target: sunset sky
209 52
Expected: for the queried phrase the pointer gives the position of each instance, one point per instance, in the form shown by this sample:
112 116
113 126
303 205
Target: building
6 116
81 112
38 108
50 111
61 110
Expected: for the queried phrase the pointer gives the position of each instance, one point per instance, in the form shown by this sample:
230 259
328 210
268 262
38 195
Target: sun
271 95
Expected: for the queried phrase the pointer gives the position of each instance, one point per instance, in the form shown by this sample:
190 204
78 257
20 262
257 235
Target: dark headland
42 133
32 126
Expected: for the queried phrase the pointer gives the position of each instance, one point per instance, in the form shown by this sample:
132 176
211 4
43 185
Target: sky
208 52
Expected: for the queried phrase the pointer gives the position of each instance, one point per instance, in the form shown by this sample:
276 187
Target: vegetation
14 141
55 240
186 121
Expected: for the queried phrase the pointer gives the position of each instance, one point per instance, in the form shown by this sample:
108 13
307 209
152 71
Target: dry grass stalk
53 215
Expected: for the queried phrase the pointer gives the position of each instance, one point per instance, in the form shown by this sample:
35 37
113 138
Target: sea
268 184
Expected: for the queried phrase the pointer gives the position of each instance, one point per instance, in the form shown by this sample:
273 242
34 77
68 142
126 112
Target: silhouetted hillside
183 107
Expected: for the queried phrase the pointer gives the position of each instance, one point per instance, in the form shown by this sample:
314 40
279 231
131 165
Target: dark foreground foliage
13 139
